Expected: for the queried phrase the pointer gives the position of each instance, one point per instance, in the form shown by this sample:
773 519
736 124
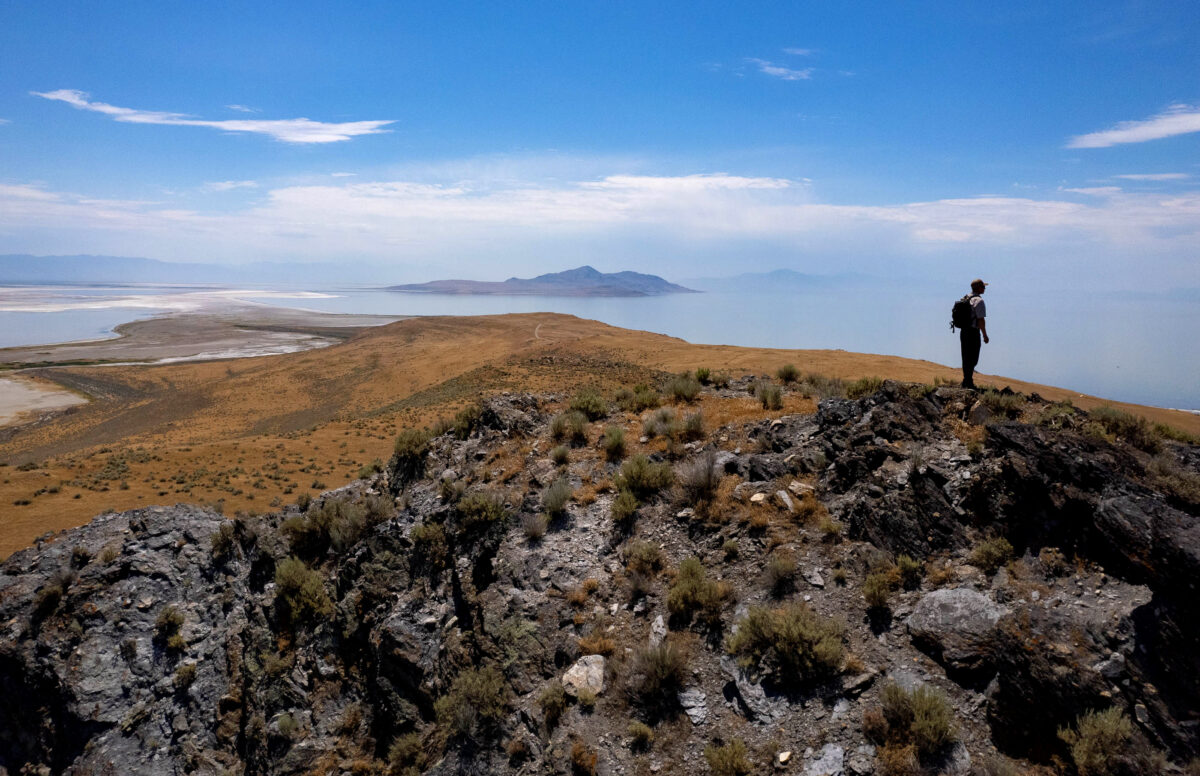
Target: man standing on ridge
969 335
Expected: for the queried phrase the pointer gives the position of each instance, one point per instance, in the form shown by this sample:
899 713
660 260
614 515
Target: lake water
1142 351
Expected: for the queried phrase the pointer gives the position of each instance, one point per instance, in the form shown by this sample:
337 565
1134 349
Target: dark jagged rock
412 589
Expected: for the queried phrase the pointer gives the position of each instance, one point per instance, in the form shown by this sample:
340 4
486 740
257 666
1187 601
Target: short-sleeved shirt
978 310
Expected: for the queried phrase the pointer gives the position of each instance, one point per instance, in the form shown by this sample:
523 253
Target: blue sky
1049 144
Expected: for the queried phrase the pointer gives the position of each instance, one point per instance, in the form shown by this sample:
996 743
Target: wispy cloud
342 174
1178 119
5 121
230 185
778 71
1155 176
300 130
243 109
800 52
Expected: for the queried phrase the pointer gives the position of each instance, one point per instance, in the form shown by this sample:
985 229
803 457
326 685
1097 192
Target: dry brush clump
693 594
656 675
792 642
644 478
590 403
912 722
475 706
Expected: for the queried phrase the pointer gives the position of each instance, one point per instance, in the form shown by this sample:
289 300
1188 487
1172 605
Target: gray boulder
956 627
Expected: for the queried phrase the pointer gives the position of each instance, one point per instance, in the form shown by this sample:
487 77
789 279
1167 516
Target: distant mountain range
23 268
582 281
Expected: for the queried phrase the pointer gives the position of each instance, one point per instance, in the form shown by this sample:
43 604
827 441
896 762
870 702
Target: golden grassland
255 433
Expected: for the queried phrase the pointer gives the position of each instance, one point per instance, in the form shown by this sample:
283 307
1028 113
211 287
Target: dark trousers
970 340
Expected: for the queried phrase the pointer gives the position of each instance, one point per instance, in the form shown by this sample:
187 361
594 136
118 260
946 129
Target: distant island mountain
582 281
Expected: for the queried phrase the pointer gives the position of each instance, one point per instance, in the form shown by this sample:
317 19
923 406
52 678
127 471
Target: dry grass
257 433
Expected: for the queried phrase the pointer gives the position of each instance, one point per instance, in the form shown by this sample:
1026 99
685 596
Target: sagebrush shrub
643 478
476 704
534 525
728 759
624 508
642 397
560 455
614 443
408 455
692 593
921 718
703 375
1131 429
877 589
656 675
466 421
683 388
788 373
801 644
780 572
480 510
300 595
643 558
553 701
699 478
864 386
590 403
991 554
555 497
770 396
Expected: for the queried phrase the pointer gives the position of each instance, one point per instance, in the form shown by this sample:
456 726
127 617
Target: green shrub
480 510
184 676
466 421
429 545
300 595
864 386
534 525
661 424
1057 415
643 478
1131 429
1175 434
788 374
1007 404
656 675
642 735
692 428
823 387
590 403
560 455
624 508
221 542
703 375
877 589
570 426
555 498
641 398
921 718
721 380
693 593
408 455
371 469
614 443
476 704
991 554
729 759
683 388
1174 479
780 572
911 572
643 558
333 522
730 549
800 644
288 726
831 530
699 478
769 395
407 754
553 701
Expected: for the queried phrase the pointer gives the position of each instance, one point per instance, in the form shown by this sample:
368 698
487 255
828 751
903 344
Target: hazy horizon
1037 146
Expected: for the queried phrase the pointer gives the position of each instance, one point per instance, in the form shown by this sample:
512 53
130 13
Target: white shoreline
21 397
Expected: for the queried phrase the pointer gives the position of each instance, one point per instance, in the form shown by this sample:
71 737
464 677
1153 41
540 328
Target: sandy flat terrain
254 433
21 396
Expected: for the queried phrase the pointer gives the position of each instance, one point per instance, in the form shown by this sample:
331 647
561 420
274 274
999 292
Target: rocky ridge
442 617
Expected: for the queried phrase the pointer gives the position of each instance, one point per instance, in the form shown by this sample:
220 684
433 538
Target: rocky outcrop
441 624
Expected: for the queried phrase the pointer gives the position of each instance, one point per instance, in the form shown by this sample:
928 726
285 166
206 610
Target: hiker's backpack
962 316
